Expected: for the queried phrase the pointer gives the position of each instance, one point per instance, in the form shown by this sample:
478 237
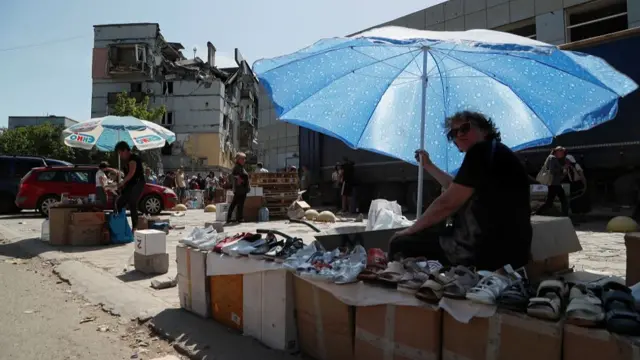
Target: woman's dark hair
103 165
479 120
122 146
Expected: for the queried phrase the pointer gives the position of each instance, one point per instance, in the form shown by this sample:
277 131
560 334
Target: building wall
278 141
21 121
197 109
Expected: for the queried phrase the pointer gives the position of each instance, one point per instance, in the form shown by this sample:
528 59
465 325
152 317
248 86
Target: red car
43 186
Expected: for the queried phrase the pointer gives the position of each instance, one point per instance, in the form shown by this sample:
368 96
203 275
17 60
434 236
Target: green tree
128 106
39 140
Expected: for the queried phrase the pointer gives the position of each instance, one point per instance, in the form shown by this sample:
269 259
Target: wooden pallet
274 175
280 194
263 182
276 209
279 201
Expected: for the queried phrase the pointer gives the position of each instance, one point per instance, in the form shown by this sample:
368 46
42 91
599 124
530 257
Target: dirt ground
43 319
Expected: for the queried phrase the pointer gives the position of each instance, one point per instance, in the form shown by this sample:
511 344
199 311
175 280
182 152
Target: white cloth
101 177
263 170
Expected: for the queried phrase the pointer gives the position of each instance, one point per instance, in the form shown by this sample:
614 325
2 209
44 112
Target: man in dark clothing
488 200
240 188
133 183
347 183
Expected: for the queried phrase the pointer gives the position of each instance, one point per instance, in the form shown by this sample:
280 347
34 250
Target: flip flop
432 290
584 309
547 304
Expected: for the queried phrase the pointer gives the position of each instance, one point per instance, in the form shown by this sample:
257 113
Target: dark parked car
12 169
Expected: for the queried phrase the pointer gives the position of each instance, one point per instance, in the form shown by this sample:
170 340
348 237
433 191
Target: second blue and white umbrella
104 133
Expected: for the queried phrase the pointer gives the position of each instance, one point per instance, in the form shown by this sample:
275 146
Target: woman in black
133 183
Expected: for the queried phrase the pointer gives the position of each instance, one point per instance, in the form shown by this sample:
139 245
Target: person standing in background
260 168
241 187
336 179
305 182
347 183
149 177
169 180
181 185
557 165
101 182
132 185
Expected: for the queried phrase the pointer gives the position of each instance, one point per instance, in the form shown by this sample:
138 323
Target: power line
51 42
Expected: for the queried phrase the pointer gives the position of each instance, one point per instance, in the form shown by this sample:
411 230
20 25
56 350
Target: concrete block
491 3
569 3
521 9
151 264
217 225
471 6
477 20
453 9
550 27
456 24
545 6
435 15
498 16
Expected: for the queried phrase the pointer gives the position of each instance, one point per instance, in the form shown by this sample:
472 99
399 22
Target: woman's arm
441 177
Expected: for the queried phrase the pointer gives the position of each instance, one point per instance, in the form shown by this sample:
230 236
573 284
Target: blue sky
56 78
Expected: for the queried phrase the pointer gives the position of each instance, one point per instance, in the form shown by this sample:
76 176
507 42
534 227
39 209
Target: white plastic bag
386 219
44 233
378 205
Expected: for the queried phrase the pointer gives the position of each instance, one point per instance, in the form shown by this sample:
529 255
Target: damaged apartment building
213 111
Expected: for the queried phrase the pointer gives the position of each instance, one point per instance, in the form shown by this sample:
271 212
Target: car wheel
45 203
151 205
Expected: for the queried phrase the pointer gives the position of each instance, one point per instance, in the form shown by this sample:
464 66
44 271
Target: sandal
584 309
432 290
414 278
548 301
516 297
462 279
392 274
621 316
487 290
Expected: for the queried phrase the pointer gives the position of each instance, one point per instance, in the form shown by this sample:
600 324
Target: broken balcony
128 59
247 136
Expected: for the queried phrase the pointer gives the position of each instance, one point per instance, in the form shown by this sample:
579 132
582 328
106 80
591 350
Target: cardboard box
256 191
585 344
268 309
85 235
150 242
151 264
221 211
252 206
398 332
632 243
226 300
503 336
193 285
88 218
59 219
326 326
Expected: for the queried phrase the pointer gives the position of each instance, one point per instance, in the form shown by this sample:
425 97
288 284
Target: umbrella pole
423 115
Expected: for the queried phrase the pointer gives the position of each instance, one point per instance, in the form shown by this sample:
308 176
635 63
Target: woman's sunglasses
461 130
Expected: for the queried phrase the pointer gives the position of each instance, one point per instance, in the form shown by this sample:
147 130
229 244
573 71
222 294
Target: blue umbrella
390 89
